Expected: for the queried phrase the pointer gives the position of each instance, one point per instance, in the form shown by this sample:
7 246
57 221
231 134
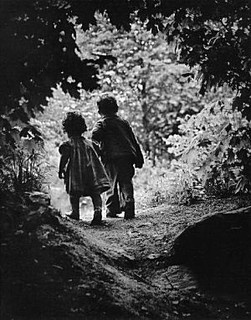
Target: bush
215 145
163 183
22 166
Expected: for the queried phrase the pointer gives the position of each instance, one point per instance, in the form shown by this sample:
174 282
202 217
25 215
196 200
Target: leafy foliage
154 90
161 183
216 36
40 51
22 167
171 99
216 145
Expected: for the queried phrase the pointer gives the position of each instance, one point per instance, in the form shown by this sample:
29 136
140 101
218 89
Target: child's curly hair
74 124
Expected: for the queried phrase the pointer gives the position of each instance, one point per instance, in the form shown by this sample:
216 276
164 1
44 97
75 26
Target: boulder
218 250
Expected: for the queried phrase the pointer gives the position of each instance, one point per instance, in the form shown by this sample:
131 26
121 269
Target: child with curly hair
80 167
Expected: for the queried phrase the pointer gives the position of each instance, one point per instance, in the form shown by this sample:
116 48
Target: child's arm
65 155
62 164
98 132
139 159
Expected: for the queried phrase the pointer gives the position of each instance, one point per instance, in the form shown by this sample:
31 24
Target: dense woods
148 70
180 71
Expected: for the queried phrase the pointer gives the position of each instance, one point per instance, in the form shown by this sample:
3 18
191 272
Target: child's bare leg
74 200
97 205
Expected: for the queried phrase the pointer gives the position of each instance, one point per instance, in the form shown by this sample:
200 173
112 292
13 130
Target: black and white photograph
125 159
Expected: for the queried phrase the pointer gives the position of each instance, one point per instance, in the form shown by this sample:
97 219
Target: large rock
218 250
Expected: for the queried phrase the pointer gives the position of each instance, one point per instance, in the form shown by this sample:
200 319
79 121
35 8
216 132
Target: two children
85 175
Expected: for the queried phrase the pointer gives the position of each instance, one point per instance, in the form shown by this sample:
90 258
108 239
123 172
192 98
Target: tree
39 44
145 76
214 35
40 50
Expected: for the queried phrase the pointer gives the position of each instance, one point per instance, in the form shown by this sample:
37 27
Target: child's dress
85 174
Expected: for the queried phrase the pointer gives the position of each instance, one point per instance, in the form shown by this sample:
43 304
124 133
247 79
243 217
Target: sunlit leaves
215 36
216 145
145 78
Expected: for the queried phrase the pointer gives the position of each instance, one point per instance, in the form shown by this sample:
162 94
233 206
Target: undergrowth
164 183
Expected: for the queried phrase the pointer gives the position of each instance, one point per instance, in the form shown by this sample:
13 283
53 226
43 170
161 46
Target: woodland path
59 269
148 237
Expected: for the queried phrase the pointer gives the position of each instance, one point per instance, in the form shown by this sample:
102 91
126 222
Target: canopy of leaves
155 91
39 49
39 44
216 36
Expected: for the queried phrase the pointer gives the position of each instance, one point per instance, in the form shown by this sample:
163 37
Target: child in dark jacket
120 151
80 167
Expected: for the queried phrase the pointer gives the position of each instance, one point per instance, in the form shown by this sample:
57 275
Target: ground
66 269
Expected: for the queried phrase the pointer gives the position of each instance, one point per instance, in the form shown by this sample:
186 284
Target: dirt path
65 269
148 237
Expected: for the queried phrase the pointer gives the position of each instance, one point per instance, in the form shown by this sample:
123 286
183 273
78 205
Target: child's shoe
129 216
97 218
129 210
